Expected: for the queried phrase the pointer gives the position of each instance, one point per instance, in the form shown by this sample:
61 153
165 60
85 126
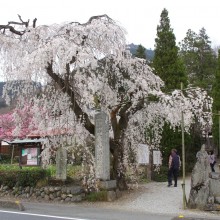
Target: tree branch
75 107
34 22
125 108
11 29
93 18
22 23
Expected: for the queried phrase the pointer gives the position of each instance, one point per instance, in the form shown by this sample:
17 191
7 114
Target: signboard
29 156
143 154
157 157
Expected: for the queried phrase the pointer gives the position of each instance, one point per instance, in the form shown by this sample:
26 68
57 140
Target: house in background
27 150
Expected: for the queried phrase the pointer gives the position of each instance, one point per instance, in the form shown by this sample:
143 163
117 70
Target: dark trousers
173 173
212 166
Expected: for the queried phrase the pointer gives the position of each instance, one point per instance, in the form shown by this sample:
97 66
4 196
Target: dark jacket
175 161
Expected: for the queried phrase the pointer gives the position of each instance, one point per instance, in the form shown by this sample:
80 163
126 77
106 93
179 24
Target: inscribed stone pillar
200 181
61 164
102 149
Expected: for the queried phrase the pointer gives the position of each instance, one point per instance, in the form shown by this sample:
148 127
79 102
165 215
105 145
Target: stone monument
61 164
102 151
199 192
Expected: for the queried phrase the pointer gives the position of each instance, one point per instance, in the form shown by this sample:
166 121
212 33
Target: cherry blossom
85 68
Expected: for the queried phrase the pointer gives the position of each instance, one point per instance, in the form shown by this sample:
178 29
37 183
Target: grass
97 196
9 167
72 171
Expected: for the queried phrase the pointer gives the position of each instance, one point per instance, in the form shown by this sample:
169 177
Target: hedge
23 178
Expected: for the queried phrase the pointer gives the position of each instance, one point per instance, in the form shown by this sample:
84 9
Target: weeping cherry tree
84 68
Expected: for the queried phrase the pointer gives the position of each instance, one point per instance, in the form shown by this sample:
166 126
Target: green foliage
5 159
97 196
199 58
148 52
166 62
97 102
216 101
74 171
140 52
51 169
41 183
160 176
173 139
12 176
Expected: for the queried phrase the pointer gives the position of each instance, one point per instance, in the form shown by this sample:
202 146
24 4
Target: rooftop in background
27 140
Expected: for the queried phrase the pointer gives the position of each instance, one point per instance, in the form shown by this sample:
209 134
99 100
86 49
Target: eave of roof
24 141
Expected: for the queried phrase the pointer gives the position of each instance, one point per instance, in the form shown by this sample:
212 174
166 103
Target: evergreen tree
169 66
140 52
166 62
199 58
216 101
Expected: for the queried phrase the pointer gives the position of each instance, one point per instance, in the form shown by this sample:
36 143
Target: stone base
212 207
111 196
118 193
214 187
107 184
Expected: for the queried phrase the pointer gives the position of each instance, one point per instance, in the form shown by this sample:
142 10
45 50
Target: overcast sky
139 17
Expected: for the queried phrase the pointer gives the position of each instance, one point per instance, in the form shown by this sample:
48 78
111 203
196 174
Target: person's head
173 151
211 152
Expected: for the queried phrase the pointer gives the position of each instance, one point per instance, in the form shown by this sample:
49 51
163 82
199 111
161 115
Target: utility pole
183 156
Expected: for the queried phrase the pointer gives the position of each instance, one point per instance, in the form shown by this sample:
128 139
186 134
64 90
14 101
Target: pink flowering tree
86 67
6 126
16 124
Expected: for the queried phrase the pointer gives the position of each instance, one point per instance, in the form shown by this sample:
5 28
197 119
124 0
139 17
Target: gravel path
156 197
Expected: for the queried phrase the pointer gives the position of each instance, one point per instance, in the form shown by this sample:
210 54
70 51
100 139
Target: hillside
5 108
149 53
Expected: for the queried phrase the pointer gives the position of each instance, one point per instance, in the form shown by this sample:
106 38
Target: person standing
174 166
212 160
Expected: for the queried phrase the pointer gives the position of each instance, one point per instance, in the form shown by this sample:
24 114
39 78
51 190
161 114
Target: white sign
157 157
143 154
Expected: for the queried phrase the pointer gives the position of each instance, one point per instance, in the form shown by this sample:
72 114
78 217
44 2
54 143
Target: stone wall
54 193
50 193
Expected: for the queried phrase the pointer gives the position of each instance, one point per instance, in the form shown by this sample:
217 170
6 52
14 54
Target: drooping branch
12 29
84 118
94 18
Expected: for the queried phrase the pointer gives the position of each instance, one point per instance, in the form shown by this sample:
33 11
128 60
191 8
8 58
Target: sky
140 17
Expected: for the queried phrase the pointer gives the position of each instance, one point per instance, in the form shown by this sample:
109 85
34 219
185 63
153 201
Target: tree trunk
118 166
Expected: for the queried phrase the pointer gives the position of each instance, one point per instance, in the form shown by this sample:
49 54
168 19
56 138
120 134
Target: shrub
160 176
21 177
5 158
